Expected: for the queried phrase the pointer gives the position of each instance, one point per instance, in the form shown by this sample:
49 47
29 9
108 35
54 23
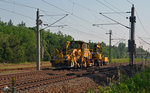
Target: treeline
119 51
18 44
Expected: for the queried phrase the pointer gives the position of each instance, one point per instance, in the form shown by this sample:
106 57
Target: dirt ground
81 84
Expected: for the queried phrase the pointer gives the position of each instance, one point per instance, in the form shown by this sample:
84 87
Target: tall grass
140 83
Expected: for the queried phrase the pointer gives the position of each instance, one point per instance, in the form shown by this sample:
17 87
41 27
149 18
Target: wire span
115 21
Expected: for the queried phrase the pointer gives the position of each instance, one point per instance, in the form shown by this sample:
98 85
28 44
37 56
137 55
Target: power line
120 40
28 7
17 13
144 40
129 2
67 12
105 5
111 5
115 7
142 25
19 4
145 37
86 8
98 25
28 16
112 9
108 7
115 21
72 7
122 32
55 22
84 32
107 29
86 21
83 6
48 15
96 11
35 8
90 34
103 12
116 34
22 5
113 12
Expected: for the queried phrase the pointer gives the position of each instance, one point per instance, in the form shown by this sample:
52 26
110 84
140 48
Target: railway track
36 78
36 83
28 80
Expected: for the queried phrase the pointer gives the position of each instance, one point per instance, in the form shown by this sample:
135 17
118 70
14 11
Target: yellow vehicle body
77 54
98 56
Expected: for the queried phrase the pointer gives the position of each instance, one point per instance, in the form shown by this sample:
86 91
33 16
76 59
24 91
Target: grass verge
22 65
124 60
140 83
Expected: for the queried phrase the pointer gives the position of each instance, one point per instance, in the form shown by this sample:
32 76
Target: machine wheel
75 65
72 64
84 64
104 63
99 63
81 64
96 63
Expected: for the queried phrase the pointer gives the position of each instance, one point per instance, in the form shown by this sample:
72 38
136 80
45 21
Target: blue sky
82 14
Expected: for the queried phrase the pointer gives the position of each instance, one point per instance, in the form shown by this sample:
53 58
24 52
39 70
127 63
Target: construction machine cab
98 56
75 54
77 45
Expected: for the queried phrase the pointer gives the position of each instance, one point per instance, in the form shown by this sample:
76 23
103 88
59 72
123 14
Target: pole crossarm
55 25
55 22
105 24
115 12
115 21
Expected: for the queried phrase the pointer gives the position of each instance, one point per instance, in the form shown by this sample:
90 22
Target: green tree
22 24
122 50
10 23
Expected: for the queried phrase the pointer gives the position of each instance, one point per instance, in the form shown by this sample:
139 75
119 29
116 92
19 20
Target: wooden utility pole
38 39
131 41
110 33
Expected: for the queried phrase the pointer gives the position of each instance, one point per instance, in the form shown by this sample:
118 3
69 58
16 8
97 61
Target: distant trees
119 51
51 41
10 23
22 24
123 50
15 44
18 44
